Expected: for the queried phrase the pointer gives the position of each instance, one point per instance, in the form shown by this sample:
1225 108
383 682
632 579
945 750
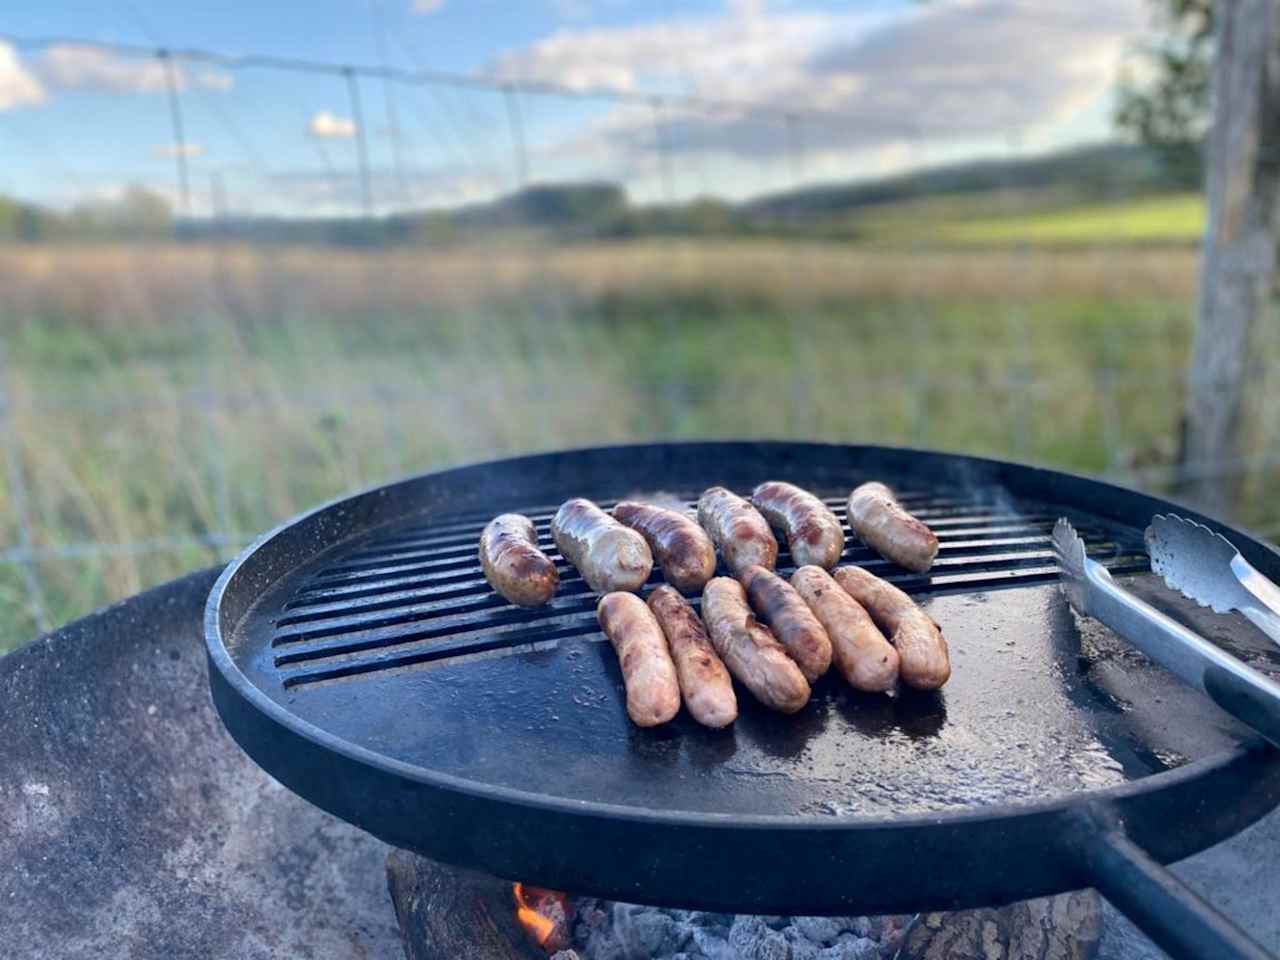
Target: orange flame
543 915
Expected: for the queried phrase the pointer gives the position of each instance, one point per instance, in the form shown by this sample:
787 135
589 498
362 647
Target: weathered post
1238 261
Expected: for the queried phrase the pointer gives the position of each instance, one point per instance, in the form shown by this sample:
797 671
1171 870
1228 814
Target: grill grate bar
317 663
365 587
451 533
416 593
400 561
373 582
457 646
374 620
391 599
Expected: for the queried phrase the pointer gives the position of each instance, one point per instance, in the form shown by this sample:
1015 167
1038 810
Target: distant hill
555 212
1107 171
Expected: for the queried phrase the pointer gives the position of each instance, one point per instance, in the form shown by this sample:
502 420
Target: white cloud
427 6
17 86
215 80
875 87
73 67
727 55
328 125
181 149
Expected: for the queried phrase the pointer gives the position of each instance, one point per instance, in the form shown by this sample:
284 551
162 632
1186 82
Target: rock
647 933
851 948
751 938
821 930
711 942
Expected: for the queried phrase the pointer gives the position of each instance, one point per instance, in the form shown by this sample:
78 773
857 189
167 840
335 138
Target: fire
543 915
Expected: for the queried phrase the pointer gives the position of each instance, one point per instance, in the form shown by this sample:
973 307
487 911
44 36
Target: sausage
682 548
813 533
653 693
608 555
749 650
704 681
790 619
880 521
858 648
923 661
513 564
736 527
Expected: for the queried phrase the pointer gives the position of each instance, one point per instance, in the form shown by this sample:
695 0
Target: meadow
164 404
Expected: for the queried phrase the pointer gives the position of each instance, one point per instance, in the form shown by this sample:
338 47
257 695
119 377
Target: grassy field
1035 218
166 404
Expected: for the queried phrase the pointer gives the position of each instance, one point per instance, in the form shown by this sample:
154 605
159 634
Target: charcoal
804 950
745 931
752 939
852 948
646 933
821 930
712 942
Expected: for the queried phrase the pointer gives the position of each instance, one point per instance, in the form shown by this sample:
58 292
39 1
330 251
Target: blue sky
871 88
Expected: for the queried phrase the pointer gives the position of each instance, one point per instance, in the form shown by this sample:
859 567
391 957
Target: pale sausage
858 648
653 693
749 650
608 555
882 524
813 533
923 659
736 527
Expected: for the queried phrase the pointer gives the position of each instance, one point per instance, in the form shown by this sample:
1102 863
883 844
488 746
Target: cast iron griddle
361 658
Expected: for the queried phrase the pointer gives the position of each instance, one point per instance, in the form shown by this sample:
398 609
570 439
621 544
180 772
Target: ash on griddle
622 931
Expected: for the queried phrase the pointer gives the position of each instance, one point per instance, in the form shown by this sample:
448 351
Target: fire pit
134 826
360 659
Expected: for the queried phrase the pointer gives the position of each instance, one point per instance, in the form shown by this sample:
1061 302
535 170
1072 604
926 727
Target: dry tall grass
165 404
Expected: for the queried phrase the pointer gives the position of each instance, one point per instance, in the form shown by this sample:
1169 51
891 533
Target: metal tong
1241 691
1206 567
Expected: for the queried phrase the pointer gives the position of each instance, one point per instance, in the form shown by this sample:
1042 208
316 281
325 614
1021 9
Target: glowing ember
543 915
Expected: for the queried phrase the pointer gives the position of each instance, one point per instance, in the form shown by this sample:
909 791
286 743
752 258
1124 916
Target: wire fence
162 402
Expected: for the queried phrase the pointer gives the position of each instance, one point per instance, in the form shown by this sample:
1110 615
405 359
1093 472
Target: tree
1240 244
1163 100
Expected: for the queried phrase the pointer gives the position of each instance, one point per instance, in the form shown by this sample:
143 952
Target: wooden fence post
1239 256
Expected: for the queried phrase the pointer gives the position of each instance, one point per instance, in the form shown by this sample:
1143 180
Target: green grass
139 430
1042 218
1159 219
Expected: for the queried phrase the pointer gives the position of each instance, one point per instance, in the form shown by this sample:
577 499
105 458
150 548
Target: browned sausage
790 619
513 564
736 527
682 548
704 681
653 693
608 555
922 651
880 521
749 650
813 533
858 648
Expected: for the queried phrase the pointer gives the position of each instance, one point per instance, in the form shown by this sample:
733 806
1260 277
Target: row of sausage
618 552
776 637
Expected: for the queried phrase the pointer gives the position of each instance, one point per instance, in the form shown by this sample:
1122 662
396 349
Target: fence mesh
163 399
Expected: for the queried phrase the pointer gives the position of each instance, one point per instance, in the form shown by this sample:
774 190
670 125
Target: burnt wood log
447 912
1065 927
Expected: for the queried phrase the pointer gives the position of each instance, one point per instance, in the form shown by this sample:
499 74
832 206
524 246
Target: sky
790 92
